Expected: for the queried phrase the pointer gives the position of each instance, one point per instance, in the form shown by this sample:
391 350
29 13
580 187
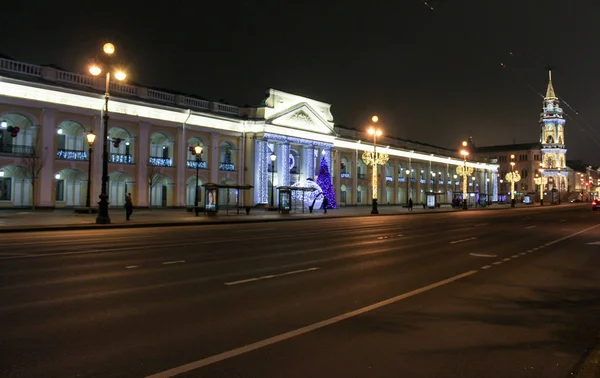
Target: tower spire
550 95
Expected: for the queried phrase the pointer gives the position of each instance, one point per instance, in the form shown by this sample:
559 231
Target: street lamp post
512 177
374 159
465 172
91 137
487 189
95 69
273 158
407 181
198 153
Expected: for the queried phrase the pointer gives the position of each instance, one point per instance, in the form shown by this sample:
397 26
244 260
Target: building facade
46 114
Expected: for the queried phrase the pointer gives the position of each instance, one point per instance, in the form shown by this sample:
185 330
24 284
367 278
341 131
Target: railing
20 67
227 108
226 167
389 178
121 158
401 179
63 154
160 162
15 149
161 96
194 163
345 175
88 81
70 77
196 103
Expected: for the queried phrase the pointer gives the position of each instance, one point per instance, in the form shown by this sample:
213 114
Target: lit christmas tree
324 181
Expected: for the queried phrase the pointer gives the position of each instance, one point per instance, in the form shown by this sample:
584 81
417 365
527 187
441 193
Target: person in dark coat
410 204
128 206
325 203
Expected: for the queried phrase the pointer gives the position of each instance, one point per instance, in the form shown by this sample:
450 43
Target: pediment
302 117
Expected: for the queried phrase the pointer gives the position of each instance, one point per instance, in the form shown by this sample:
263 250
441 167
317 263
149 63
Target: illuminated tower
552 139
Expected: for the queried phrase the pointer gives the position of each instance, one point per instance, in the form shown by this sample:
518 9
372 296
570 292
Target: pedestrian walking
128 206
325 203
410 204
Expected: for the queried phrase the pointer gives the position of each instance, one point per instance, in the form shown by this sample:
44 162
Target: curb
589 364
93 226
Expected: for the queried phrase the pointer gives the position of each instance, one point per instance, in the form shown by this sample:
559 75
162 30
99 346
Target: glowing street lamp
91 137
465 172
198 153
512 177
374 159
95 69
407 180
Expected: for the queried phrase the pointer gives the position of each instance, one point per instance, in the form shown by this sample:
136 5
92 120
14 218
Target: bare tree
32 161
154 177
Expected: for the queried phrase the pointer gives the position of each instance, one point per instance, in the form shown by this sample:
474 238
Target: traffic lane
281 305
78 280
530 317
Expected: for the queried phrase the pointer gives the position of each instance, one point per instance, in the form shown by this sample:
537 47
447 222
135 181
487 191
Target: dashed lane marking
173 262
481 224
462 240
506 259
497 263
530 226
515 256
271 276
482 255
486 267
131 267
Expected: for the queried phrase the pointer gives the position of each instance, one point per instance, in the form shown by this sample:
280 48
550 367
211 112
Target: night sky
435 76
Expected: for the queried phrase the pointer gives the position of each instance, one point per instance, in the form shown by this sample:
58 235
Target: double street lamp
374 159
512 177
198 153
95 69
465 172
91 137
273 158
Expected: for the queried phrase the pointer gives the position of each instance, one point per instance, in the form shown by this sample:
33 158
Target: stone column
282 175
250 169
142 164
214 158
336 177
47 149
354 175
261 175
308 162
181 165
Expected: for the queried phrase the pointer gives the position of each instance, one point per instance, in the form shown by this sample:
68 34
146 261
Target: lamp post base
512 202
374 207
103 217
465 207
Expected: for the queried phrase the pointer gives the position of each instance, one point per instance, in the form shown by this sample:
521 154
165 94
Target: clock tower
552 139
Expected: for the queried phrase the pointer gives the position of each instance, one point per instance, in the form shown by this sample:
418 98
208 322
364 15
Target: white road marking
173 262
523 253
506 259
563 220
593 243
271 276
462 240
300 331
482 255
515 256
481 224
497 263
254 230
399 235
530 226
486 267
131 267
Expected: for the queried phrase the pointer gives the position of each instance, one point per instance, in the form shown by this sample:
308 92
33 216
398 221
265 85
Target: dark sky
432 76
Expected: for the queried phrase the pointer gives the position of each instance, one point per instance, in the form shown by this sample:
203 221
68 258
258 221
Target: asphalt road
508 293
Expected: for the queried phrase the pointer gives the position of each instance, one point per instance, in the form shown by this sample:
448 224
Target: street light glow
95 70
91 137
375 119
120 75
198 150
108 48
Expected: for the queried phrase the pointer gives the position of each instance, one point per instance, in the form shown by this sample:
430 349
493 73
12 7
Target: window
62 142
343 196
165 152
60 190
359 197
5 187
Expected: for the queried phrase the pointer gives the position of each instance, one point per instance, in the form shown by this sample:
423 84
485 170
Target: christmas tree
324 181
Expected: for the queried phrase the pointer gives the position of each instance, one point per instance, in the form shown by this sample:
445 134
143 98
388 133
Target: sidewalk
15 220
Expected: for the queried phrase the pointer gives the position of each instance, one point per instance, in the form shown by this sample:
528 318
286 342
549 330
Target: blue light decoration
290 139
324 181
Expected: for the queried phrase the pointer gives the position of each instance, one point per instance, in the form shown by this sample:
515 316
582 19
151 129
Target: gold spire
550 95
